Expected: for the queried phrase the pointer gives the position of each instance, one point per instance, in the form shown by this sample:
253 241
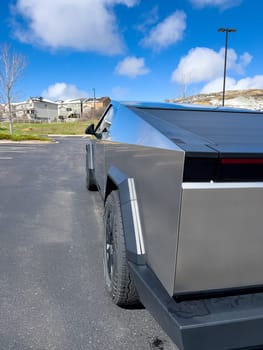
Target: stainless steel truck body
189 182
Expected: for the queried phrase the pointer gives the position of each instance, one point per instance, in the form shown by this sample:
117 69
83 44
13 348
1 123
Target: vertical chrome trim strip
91 156
136 218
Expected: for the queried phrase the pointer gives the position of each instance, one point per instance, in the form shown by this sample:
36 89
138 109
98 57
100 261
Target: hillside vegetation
249 99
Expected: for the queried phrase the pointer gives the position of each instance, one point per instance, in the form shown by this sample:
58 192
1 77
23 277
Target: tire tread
122 289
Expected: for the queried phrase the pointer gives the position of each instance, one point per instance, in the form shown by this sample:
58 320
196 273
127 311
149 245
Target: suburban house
81 108
36 108
73 108
98 103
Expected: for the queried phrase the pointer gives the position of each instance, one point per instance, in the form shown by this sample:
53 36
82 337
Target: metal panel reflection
221 237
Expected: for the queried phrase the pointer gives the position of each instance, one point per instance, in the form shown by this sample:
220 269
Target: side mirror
90 130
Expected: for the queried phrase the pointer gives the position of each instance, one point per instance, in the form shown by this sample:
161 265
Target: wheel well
110 186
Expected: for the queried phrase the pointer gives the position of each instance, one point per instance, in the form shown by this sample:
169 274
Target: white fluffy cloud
131 67
244 61
84 25
129 3
167 32
198 65
63 91
204 64
148 19
224 4
255 82
216 85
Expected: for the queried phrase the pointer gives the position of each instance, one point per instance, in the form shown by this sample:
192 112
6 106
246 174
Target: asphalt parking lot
52 292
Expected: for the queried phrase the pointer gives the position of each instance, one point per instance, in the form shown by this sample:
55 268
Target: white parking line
4 158
17 149
12 151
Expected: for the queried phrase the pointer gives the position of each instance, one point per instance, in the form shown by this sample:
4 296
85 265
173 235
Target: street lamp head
230 30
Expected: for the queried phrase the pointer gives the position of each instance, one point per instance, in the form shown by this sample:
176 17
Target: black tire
90 180
119 281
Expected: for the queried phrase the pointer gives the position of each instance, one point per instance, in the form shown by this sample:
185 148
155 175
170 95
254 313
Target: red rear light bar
241 161
234 169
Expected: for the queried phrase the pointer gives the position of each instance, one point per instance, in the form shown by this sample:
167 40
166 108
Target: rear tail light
234 161
240 169
222 169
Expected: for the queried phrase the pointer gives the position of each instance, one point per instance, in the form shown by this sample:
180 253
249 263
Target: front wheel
119 282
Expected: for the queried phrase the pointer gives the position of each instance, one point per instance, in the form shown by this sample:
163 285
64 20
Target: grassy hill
250 99
40 131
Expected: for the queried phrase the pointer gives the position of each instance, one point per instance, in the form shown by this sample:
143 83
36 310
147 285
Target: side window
106 122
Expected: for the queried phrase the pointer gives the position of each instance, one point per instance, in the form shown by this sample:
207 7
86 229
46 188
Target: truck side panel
157 173
220 237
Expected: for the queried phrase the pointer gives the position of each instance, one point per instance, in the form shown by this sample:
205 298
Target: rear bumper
225 323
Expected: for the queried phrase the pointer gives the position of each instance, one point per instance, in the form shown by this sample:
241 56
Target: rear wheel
119 281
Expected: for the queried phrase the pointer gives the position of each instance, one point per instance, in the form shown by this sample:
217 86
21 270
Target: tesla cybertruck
183 194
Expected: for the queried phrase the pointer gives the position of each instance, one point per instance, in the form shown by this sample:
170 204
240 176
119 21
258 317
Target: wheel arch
134 242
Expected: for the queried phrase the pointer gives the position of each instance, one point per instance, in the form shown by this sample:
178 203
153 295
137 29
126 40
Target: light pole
94 102
225 30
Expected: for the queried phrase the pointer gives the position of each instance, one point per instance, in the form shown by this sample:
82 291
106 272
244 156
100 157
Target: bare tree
12 65
183 86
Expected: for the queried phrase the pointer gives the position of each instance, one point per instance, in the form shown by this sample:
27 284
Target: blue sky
133 49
